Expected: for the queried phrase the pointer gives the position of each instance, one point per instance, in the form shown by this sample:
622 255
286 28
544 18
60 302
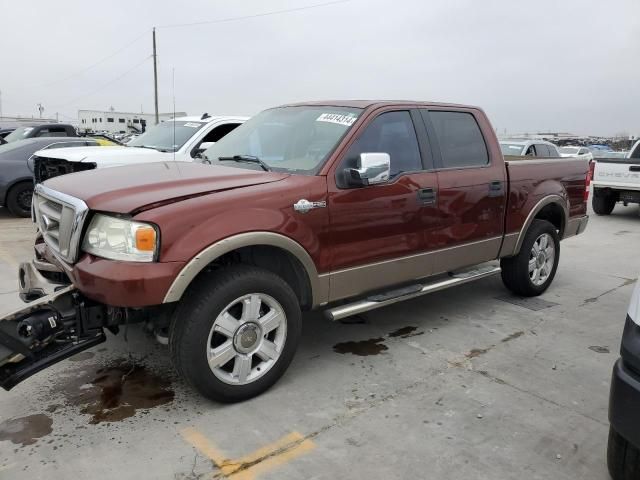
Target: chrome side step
413 291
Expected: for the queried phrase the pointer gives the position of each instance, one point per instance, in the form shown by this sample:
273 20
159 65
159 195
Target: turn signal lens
146 239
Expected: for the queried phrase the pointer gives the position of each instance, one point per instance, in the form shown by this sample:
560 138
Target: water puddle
406 332
26 430
599 349
363 348
115 392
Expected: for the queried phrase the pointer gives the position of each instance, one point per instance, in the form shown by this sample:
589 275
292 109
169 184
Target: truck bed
530 179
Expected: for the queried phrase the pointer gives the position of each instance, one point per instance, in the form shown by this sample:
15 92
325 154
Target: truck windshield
570 150
511 148
289 139
18 134
163 138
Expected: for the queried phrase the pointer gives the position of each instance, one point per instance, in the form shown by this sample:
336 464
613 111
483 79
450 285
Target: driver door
379 232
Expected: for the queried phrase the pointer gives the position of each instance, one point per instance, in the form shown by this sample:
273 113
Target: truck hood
143 186
106 156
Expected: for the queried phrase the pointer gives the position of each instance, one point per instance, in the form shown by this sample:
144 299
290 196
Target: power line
80 72
105 85
243 17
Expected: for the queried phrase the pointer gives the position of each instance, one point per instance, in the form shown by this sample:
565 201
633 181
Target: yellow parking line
262 460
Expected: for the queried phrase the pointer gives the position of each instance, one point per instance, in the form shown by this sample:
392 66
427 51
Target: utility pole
155 76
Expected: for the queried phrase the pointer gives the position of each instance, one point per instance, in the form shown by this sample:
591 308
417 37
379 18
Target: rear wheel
623 458
531 271
19 199
235 332
603 203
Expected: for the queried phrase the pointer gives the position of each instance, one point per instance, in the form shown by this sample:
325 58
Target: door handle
495 188
427 195
634 168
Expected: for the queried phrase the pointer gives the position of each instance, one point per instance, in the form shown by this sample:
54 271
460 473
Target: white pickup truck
181 139
616 180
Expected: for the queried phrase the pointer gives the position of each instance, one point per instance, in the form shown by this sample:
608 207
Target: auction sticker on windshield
338 118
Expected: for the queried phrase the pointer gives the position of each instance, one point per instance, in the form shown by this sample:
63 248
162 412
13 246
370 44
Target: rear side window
542 150
461 141
391 133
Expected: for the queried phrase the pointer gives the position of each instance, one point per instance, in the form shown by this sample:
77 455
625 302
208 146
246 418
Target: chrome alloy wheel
541 259
246 339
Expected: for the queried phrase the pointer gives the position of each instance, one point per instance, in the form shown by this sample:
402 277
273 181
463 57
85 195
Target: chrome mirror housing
372 169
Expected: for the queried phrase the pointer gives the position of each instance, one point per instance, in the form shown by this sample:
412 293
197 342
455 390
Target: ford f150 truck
616 180
181 139
342 206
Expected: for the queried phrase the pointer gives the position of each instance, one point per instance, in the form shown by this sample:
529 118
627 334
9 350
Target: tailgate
621 173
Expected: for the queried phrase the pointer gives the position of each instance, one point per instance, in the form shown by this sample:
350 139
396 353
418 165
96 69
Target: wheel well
273 259
554 214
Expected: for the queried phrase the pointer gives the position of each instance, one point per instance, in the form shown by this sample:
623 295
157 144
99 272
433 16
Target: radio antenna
173 88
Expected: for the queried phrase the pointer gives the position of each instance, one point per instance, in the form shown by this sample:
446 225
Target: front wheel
19 199
623 458
235 332
531 271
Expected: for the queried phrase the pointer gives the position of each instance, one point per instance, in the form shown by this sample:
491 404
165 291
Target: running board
412 291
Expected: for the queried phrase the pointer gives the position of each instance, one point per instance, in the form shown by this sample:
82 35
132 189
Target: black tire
196 314
515 270
603 203
19 199
623 458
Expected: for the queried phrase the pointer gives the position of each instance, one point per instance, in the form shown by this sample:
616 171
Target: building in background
119 122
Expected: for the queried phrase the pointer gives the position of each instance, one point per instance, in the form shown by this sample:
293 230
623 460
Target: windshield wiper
247 159
163 150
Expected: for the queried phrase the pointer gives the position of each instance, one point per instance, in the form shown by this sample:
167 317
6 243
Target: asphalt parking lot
460 384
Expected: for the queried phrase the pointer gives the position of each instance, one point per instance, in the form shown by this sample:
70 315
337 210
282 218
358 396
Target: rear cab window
459 137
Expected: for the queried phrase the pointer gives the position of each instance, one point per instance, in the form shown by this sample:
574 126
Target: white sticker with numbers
340 119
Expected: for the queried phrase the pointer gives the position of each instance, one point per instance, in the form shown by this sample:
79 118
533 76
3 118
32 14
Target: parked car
181 140
44 130
3 133
616 180
529 148
341 206
16 172
623 450
577 151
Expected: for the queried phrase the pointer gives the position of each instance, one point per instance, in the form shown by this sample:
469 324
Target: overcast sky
560 65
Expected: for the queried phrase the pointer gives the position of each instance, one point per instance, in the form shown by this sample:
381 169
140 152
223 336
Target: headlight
121 239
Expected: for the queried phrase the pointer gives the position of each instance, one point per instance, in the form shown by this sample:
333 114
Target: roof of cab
374 103
216 118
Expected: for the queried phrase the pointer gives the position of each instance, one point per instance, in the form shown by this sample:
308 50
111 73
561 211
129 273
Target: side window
542 150
531 151
461 141
391 133
219 132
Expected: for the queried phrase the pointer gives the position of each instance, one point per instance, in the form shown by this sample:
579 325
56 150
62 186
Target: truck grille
59 218
45 168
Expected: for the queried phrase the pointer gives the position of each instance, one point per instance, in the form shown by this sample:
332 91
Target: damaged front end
55 326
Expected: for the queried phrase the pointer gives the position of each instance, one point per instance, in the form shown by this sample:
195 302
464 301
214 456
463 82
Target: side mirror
203 146
372 169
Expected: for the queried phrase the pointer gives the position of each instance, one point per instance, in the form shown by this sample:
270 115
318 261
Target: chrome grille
59 218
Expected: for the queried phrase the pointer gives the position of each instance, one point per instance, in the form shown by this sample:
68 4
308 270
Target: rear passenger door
471 189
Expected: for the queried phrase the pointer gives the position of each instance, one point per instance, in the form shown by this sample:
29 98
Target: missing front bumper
62 324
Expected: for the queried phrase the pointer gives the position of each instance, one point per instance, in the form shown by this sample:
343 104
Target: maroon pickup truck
341 206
